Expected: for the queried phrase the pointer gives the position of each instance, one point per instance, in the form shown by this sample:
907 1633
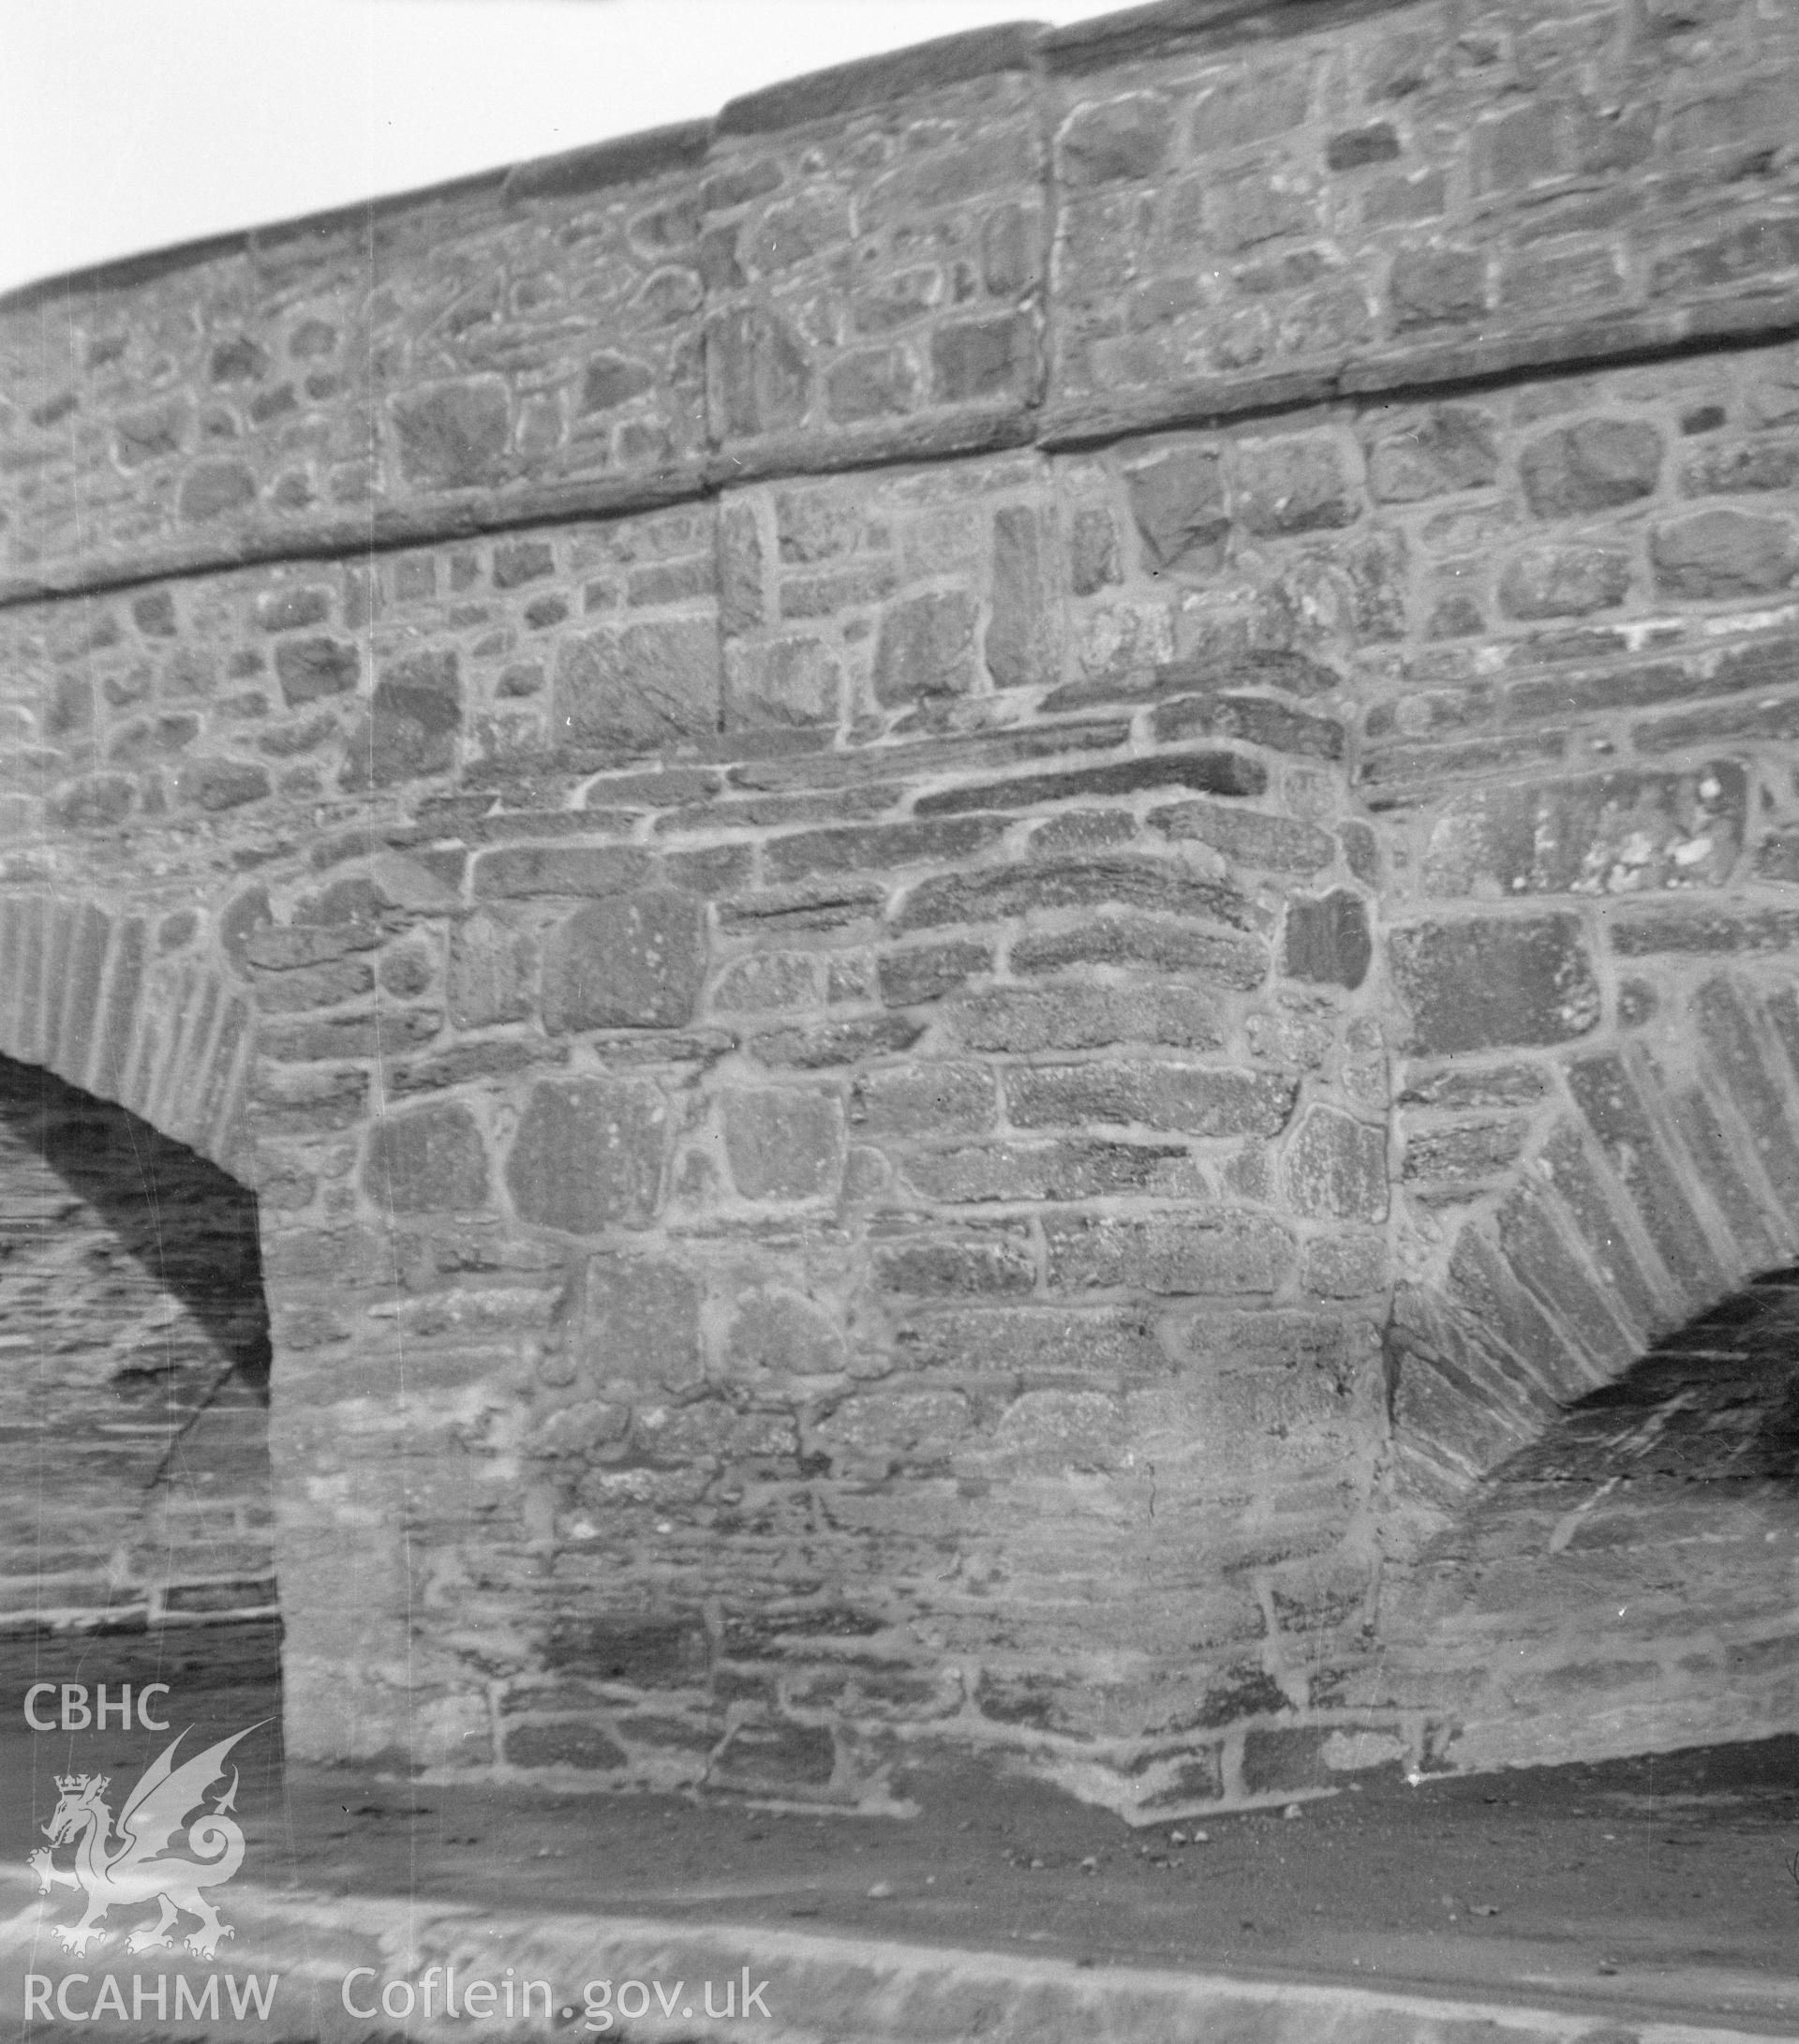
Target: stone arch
1625 1584
83 995
1557 1588
1660 1174
98 1015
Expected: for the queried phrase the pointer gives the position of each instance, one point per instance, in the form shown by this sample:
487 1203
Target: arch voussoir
1673 1179
78 1001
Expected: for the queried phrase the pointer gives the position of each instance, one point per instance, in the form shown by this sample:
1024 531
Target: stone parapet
1176 215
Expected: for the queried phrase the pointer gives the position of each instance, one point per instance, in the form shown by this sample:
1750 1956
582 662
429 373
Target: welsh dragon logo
127 1867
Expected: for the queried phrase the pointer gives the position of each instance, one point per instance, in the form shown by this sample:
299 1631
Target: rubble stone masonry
976 868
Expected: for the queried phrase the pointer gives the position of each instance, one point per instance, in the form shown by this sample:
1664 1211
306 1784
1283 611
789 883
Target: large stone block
931 1097
429 1160
925 647
1023 645
414 722
1195 1252
1078 1018
631 961
453 436
972 1261
1569 580
778 1334
1299 484
492 973
636 686
1193 1100
1123 137
1724 553
783 1143
1603 834
1490 982
1449 447
1178 502
1335 1168
1594 465
1326 940
1080 1169
587 1154
999 893
638 1320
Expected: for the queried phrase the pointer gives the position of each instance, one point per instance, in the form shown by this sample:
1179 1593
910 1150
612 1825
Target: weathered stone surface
1335 1168
1002 892
1252 720
368 1036
817 1045
214 489
637 686
1724 553
492 973
453 436
1196 1099
1238 962
588 1152
1040 1340
311 668
415 718
1077 1170
756 374
1279 843
428 1160
1445 448
1111 138
925 649
638 1320
629 961
926 972
934 1097
1022 645
1593 466
1464 1152
881 846
1192 1251
1487 983
1607 834
1326 940
216 785
520 871
780 1333
997 1260
783 1144
1293 485
781 681
1564 581
769 979
1078 1018
1178 502
1215 773
977 359
316 986
1606 1095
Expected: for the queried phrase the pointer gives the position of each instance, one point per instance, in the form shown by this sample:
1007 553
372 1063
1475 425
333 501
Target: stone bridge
994 879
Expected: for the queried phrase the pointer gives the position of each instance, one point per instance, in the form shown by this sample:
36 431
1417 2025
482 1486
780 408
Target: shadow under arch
1596 1410
134 1373
1629 1582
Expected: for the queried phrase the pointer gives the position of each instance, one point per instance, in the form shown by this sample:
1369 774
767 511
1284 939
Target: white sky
128 125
